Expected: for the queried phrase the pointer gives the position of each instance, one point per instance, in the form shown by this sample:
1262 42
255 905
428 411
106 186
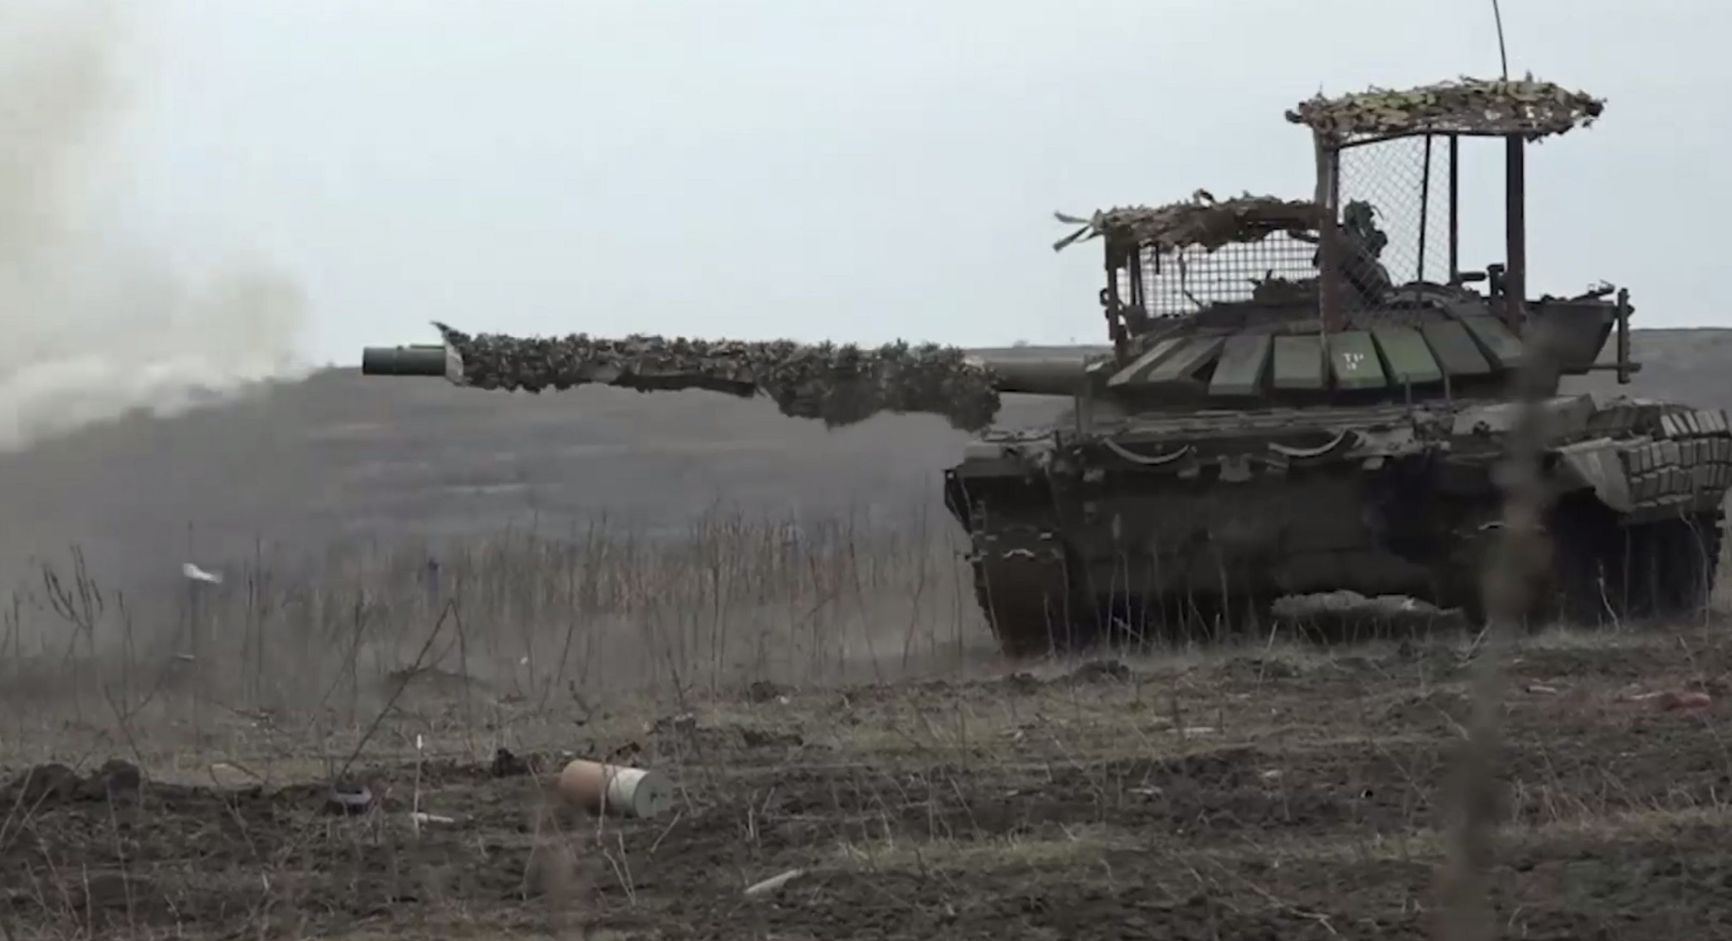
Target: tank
1296 395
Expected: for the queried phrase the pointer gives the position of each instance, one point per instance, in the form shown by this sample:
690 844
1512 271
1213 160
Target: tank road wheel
1144 618
1581 536
1603 572
1670 566
1216 618
1029 602
1661 569
1584 537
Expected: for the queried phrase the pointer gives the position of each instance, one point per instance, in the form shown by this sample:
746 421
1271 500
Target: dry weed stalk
1518 559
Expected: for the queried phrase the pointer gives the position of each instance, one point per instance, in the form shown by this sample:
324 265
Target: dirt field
827 704
1286 792
774 617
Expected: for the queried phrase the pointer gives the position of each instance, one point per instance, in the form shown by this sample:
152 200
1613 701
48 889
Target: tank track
1659 558
1604 572
1039 602
1026 591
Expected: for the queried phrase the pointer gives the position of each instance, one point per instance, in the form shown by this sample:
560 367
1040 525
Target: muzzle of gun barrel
425 360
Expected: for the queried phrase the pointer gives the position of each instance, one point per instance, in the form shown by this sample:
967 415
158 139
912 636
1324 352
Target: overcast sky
862 171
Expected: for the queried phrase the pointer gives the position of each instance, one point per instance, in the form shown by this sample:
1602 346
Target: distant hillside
341 456
1689 364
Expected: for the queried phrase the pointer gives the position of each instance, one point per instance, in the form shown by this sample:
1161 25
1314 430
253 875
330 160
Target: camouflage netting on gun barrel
1527 107
839 385
1202 221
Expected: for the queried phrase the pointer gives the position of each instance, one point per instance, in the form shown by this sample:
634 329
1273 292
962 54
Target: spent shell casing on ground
613 789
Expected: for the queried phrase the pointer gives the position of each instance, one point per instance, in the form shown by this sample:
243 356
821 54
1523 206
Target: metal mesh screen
1393 199
1178 284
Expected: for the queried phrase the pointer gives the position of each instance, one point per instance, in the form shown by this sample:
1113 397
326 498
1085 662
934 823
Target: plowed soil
1285 793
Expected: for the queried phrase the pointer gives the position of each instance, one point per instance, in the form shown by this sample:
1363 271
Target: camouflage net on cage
1200 222
1531 108
840 385
1203 251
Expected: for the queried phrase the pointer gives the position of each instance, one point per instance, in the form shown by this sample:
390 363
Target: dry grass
825 699
523 622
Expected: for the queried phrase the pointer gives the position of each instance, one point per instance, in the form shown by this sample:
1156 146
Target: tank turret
1299 395
1234 302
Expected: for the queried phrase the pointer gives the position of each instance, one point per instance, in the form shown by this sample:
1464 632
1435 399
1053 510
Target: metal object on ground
349 797
1300 396
612 789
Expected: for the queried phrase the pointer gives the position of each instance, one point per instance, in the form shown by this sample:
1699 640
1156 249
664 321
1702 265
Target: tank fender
1598 465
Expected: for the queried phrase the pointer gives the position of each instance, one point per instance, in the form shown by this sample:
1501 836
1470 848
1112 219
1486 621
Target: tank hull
1139 525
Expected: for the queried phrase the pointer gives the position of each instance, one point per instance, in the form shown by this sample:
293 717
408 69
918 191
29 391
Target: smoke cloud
92 328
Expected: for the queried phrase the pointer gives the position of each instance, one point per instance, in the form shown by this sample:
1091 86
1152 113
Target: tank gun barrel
837 384
1051 375
417 360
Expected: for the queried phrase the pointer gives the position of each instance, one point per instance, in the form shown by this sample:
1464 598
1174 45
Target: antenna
1502 55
